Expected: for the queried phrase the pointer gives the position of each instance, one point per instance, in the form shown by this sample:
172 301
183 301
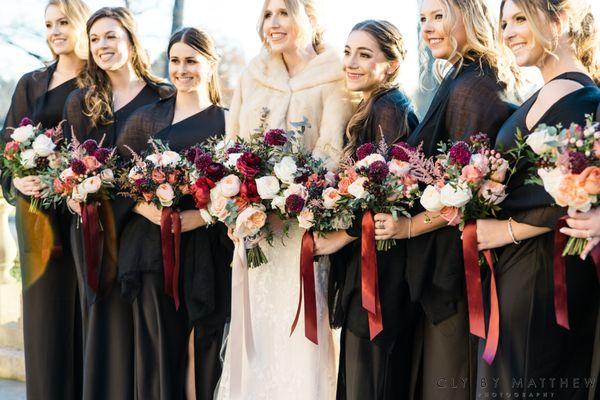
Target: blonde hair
201 41
482 43
77 12
583 31
391 43
300 12
95 81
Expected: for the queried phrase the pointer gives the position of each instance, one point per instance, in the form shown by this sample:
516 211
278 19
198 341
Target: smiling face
189 70
518 35
60 33
109 44
434 33
365 65
278 28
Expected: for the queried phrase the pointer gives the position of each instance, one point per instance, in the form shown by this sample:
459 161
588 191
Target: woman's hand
386 227
74 206
492 233
331 242
148 211
29 185
190 220
586 226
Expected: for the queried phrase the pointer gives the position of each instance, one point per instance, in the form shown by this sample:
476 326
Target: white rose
455 196
285 169
230 185
154 158
169 158
55 160
135 173
43 146
267 187
67 173
79 194
399 168
306 219
552 179
357 188
165 194
330 198
91 184
296 188
430 199
107 175
23 133
370 159
28 158
538 141
232 160
278 202
481 162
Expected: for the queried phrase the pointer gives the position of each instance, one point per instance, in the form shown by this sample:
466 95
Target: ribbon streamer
90 221
475 293
307 286
561 308
369 276
170 232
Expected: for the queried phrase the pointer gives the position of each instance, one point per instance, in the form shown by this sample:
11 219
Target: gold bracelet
511 233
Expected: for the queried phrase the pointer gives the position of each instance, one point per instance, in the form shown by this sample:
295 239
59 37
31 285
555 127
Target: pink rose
165 194
471 174
91 163
452 215
158 176
492 192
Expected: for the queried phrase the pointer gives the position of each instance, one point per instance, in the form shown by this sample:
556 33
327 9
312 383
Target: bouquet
33 151
568 166
381 182
469 181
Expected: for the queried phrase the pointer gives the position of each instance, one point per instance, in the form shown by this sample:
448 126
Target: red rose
249 164
58 186
201 191
249 192
215 171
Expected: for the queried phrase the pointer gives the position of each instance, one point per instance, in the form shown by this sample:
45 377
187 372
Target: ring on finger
589 236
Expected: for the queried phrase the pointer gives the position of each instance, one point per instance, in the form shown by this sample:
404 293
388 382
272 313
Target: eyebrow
433 12
105 33
60 19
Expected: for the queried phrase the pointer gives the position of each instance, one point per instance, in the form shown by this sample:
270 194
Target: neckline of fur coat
270 71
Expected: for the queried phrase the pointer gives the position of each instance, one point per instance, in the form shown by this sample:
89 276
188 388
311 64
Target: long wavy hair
583 29
300 12
98 94
201 41
77 12
482 44
391 43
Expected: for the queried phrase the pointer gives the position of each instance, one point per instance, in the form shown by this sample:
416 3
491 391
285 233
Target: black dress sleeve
75 122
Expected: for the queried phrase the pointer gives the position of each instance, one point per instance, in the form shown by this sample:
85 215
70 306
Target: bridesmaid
116 82
183 120
51 311
469 100
559 38
372 369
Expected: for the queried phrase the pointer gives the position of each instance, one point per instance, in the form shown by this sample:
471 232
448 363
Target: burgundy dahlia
400 151
294 204
90 146
25 121
275 137
78 167
192 153
378 171
365 150
102 154
202 161
249 164
460 154
236 148
578 162
215 171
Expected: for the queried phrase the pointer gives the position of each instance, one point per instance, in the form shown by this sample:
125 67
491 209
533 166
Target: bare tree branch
9 41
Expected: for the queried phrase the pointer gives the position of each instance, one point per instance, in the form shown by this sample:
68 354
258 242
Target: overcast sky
226 19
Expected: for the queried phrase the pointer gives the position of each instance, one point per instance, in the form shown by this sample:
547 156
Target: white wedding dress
284 367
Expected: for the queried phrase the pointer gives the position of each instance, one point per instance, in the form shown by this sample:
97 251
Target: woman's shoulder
37 76
393 98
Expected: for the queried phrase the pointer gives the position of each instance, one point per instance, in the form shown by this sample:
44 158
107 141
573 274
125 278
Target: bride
294 76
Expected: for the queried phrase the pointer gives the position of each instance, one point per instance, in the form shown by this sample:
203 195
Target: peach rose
148 196
330 198
218 204
590 180
471 174
597 149
571 194
452 215
158 176
250 221
91 163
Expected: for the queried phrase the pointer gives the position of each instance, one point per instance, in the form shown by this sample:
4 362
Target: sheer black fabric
532 346
205 273
107 317
51 311
377 369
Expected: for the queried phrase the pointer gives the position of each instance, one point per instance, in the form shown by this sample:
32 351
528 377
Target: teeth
277 36
105 56
435 41
517 47
58 41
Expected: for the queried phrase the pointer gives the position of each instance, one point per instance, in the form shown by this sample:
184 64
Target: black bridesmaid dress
107 316
161 331
51 311
533 350
468 101
378 369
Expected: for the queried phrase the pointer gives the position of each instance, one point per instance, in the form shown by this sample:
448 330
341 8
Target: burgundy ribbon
91 238
369 280
475 293
170 232
307 286
596 258
561 308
